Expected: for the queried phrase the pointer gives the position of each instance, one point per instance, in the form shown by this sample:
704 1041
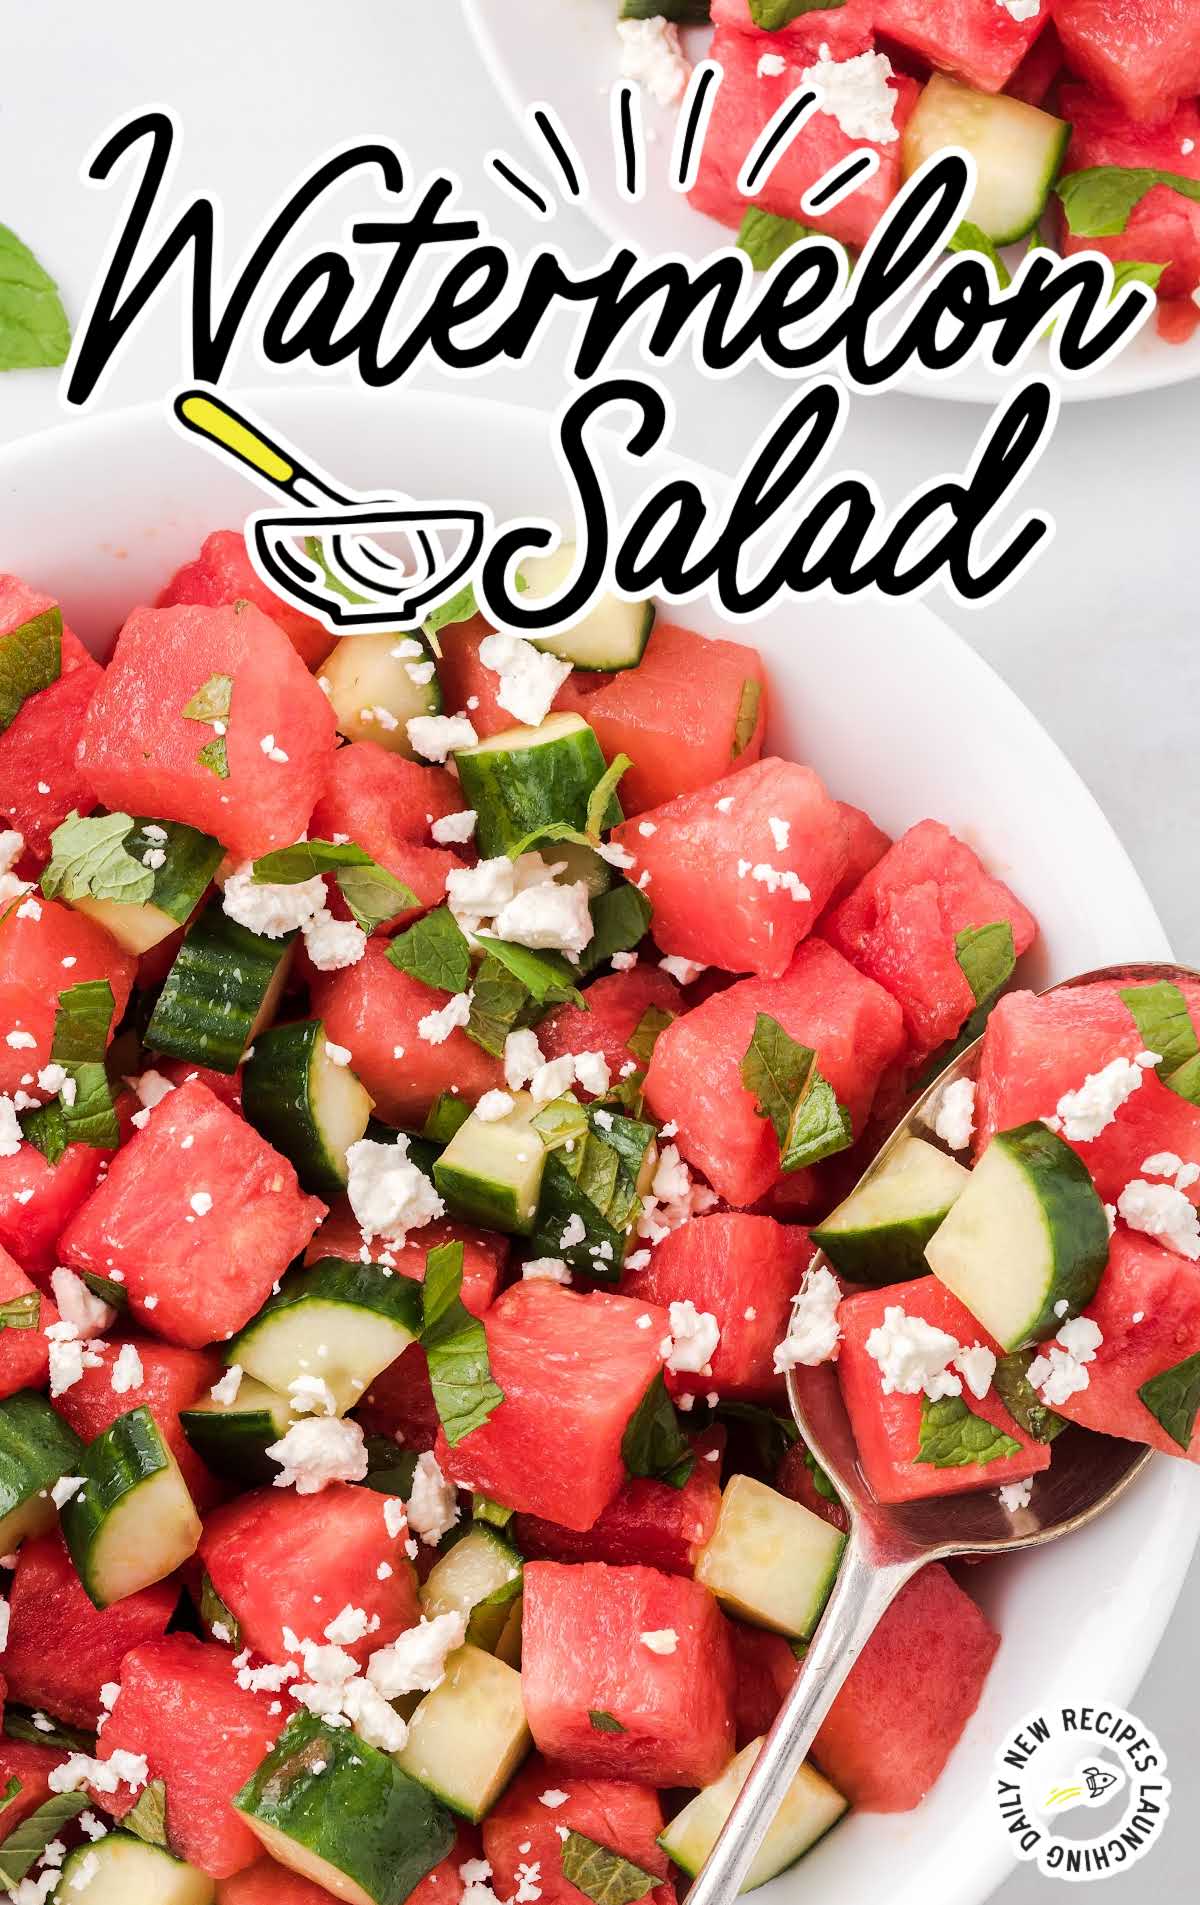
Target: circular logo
1081 1791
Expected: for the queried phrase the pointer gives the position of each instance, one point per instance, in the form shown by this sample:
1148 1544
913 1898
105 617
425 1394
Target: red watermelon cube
979 41
386 805
616 1006
24 1353
743 1270
647 1522
40 782
61 1650
521 1831
202 1735
900 923
31 1767
374 1010
141 753
572 1369
764 1668
695 1075
223 574
866 845
737 872
37 1198
795 1479
1164 226
485 1252
467 686
200 1233
278 1560
1143 53
172 1379
582 1652
400 1402
1035 77
692 710
45 949
845 30
887 1427
899 1716
227 1086
270 1884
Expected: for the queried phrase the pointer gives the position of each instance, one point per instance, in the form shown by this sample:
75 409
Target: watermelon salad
428 1065
1082 117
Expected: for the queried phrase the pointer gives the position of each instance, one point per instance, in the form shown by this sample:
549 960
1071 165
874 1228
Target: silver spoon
889 1543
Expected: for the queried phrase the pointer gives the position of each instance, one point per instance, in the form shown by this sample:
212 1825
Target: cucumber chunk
122 1870
878 1234
770 1560
36 1449
467 1737
1018 151
306 1106
343 1814
611 636
1027 1235
190 859
810 1807
225 984
479 1577
526 778
133 1522
491 1171
372 692
336 1322
233 1437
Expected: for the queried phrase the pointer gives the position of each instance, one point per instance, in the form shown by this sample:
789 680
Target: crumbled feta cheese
953 1119
337 1054
660 1640
12 846
574 1231
553 1796
493 1105
373 1718
1162 1164
529 678
350 1625
434 736
387 1193
333 944
201 1202
226 1390
65 1487
546 1270
1085 1113
77 1305
1015 1495
552 1078
102 1775
451 830
1162 1211
694 1337
592 1073
813 1333
10 1128
69 1356
20 1041
675 1196
432 1509
624 961
436 1027
976 1366
913 1356
771 65
272 910
29 909
856 93
547 916
318 1450
684 970
652 56
1022 9
1081 1338
127 1371
480 891
311 1395
416 1662
522 1058
271 750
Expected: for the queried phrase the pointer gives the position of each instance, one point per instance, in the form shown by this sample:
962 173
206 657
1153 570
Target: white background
1100 639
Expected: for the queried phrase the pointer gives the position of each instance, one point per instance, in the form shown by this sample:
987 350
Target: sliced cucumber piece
232 1438
373 691
612 635
343 1814
190 859
122 1870
1018 151
879 1233
36 1449
447 1114
467 1737
224 986
508 1647
491 1171
480 1578
1027 1236
334 1322
133 1522
770 1560
306 1106
526 778
810 1807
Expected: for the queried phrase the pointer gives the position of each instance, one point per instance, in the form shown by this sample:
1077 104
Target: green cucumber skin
277 1101
233 1445
36 1448
191 860
112 1466
337 1280
214 991
361 1814
1053 168
516 791
467 1199
858 1256
1076 1223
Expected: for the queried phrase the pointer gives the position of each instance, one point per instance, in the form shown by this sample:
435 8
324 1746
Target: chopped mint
27 1841
682 12
593 1180
601 1875
214 1613
786 1080
1135 271
603 808
21 1312
770 15
747 716
435 951
315 548
987 959
553 832
11 1788
764 237
373 894
369 890
34 332
19 1724
1164 1024
212 701
214 755
653 1443
114 1294
546 976
89 861
459 607
1173 1399
80 1039
148 1818
82 1023
953 1436
620 919
1012 1385
455 1348
969 237
30 656
1098 200
562 1121
390 1470
644 1037
603 1722
498 999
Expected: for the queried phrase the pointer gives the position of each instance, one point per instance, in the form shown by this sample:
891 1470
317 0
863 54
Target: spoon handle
863 1592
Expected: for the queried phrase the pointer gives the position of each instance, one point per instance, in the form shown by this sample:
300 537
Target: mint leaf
1173 1399
148 1818
390 1470
373 894
987 957
969 237
27 1841
1133 271
1012 1385
786 1080
19 1725
214 755
435 951
548 835
953 1436
620 920
459 607
603 1722
683 12
315 549
498 999
644 1037
772 1435
21 1312
546 976
46 1131
81 1026
214 1613
1098 200
114 1294
592 1181
603 1876
764 237
369 890
603 808
1164 1024
747 714
210 702
653 1443
11 1789
30 658
770 15
89 861
455 1348
34 332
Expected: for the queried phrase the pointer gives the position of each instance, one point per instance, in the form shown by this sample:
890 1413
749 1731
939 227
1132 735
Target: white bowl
901 718
567 55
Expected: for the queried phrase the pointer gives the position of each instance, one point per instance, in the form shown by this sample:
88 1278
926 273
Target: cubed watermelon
31 1767
1144 53
400 1404
845 30
866 845
900 924
61 1650
1035 77
39 780
172 1379
200 1233
223 574
278 1560
202 1735
485 1252
737 872
647 1522
572 1369
467 686
227 1086
748 97
270 1884
582 1653
142 754
744 1271
1164 226
695 1076
692 710
795 1478
520 1831
981 42
45 949
764 1668
887 1427
24 1353
37 1198
616 1006
386 805
374 1010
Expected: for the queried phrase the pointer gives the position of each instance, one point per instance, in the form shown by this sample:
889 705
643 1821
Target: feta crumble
1162 1211
592 1073
953 1118
127 1371
453 829
90 1316
387 1193
319 1450
435 1027
1083 1114
813 1333
694 1337
270 909
529 678
333 944
226 1390
547 917
913 1356
1022 9
522 1058
683 970
856 93
771 65
1015 1495
434 736
432 1508
651 55
660 1640
416 1661
546 1270
493 1105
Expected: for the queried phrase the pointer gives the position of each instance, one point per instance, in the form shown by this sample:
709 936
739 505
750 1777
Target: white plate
901 718
565 52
